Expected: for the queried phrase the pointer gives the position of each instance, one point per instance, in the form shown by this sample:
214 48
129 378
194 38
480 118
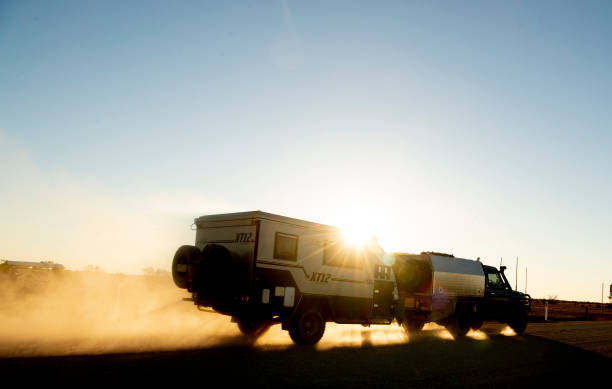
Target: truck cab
503 304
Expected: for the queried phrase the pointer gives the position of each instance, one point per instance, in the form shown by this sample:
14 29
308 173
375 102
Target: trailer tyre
182 258
307 327
252 327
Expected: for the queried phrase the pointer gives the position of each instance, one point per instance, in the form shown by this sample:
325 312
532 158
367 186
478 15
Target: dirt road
82 329
354 356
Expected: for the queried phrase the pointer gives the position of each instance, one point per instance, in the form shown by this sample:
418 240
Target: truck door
497 293
382 300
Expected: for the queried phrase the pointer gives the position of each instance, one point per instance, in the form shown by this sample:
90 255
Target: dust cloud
477 335
45 313
60 313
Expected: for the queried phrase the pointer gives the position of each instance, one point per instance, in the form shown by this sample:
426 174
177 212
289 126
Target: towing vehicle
458 293
260 269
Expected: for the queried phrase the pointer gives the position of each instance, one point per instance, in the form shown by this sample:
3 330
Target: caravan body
257 264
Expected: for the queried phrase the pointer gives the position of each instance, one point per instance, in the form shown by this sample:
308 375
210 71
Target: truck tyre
307 327
182 258
519 324
413 326
476 325
458 325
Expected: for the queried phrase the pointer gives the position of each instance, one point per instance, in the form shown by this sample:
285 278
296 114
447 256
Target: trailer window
340 255
285 246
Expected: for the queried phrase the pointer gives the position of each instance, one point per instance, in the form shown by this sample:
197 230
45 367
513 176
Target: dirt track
83 328
488 358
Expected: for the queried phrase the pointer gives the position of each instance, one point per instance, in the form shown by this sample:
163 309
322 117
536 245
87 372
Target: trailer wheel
307 327
252 327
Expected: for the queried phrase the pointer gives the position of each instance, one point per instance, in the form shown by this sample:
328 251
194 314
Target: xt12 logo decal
245 237
319 277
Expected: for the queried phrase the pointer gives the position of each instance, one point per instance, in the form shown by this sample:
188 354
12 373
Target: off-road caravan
262 268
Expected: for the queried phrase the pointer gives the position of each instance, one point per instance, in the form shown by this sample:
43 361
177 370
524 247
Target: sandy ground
84 329
589 335
348 356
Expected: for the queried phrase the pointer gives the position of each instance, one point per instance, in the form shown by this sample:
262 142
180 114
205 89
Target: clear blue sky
477 128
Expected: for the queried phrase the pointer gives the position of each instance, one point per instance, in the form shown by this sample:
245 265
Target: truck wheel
413 326
519 324
307 327
183 256
458 326
477 325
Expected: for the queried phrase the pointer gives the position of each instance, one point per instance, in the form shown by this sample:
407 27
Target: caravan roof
259 215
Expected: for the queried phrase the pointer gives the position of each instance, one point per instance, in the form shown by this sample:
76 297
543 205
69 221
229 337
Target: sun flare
355 235
357 227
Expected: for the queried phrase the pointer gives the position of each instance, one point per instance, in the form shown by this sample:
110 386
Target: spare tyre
218 276
184 256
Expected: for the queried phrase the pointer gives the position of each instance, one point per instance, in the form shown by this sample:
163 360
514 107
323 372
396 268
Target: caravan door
383 302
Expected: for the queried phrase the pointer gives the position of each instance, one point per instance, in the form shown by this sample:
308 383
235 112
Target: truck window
340 255
494 281
285 246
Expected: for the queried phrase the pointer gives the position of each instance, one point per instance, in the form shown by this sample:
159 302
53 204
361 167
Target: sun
360 224
356 235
